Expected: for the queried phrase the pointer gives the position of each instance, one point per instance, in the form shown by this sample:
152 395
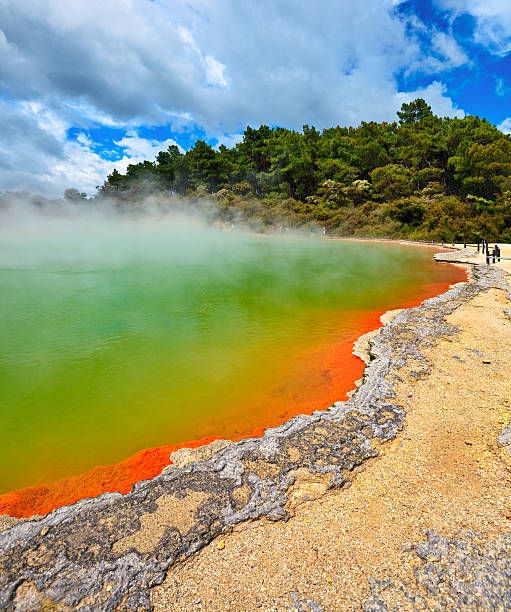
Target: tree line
420 177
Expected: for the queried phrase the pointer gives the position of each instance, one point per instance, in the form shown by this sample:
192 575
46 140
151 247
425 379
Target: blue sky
480 86
89 86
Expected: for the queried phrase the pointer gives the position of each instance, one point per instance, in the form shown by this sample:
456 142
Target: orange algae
337 363
120 477
334 362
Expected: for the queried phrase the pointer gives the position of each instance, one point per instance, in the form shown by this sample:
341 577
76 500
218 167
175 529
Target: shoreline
167 517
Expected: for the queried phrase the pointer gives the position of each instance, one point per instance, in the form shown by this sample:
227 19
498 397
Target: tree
205 167
392 181
172 170
416 111
488 167
74 195
412 177
331 193
408 212
254 147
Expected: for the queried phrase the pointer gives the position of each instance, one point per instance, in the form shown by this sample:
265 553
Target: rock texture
466 572
105 553
505 438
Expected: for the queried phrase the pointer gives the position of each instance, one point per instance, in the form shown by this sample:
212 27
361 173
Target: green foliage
392 181
331 193
408 212
424 176
416 111
74 195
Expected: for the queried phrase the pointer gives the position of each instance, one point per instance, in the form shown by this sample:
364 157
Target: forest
421 177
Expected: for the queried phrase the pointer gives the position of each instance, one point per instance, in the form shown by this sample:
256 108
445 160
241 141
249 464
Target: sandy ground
505 251
444 471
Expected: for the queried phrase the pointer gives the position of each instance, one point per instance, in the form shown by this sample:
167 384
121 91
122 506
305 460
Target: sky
86 87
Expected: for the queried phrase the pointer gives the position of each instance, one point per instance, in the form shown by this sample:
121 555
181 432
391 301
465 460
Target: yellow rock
221 545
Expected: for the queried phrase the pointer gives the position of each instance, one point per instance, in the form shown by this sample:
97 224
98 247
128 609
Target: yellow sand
505 251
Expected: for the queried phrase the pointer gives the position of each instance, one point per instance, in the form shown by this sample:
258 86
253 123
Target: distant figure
324 231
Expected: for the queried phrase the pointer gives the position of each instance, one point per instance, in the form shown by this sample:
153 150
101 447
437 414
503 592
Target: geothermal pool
120 335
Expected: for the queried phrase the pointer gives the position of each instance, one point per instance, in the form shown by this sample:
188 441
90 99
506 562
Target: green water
118 335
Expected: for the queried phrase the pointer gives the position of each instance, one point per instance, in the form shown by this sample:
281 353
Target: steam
39 233
63 236
100 234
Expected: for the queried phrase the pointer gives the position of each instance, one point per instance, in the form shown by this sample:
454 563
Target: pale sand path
444 471
505 251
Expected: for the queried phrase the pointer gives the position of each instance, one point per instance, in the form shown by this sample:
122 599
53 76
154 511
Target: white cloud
223 63
493 21
435 95
440 50
4 45
137 148
214 71
501 88
46 120
229 140
49 163
505 126
451 53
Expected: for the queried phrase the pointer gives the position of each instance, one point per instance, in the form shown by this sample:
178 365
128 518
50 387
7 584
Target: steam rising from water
99 232
100 235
